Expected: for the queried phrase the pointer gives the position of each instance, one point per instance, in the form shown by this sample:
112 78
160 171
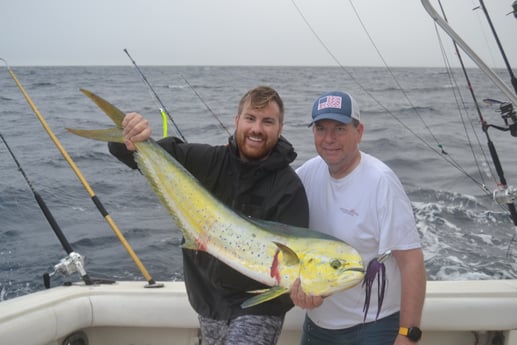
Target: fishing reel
74 262
505 195
507 113
509 116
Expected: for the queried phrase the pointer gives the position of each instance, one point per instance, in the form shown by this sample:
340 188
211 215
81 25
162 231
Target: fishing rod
206 105
74 262
513 79
504 194
95 199
163 109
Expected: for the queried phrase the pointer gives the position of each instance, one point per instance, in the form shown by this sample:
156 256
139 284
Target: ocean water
466 235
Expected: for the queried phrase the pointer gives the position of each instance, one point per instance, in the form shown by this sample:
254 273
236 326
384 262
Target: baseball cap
335 105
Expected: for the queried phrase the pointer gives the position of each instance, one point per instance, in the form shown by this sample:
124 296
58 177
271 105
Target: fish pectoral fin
274 292
113 134
290 257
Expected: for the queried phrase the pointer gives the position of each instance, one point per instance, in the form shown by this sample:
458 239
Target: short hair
260 97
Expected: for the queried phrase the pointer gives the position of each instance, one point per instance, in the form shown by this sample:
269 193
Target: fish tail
114 134
109 134
114 113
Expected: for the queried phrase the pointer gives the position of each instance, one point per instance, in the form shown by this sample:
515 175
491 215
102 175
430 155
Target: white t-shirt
369 210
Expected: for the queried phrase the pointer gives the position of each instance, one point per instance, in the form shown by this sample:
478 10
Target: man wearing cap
357 198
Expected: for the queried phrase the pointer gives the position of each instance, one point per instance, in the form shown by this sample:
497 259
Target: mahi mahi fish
272 253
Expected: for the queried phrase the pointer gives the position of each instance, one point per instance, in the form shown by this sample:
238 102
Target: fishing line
502 195
95 199
163 109
439 148
350 75
484 124
462 109
206 105
513 79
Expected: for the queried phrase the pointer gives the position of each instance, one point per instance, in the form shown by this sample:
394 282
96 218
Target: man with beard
252 175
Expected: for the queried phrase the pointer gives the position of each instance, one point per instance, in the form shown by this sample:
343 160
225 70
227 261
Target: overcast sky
244 32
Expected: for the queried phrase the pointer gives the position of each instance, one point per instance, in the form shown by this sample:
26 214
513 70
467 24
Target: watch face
414 334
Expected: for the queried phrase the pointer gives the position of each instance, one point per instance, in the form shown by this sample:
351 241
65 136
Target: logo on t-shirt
351 212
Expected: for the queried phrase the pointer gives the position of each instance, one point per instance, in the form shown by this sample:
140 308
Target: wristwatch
413 333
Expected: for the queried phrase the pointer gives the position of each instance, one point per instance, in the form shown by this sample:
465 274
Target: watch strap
413 333
403 331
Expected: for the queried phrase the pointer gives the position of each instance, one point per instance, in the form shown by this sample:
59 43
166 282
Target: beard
254 147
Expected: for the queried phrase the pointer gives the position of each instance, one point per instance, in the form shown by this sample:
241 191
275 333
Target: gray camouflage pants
243 330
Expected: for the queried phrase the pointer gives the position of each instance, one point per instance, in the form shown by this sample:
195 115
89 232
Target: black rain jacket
267 189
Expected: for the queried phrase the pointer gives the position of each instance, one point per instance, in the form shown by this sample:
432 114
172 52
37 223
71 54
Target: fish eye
335 264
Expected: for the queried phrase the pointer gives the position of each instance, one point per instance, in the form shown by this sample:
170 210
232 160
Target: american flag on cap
329 102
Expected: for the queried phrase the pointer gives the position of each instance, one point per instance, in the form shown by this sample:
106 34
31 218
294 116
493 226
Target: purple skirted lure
375 269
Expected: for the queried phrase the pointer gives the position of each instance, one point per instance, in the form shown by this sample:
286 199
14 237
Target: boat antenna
74 262
95 199
501 49
163 109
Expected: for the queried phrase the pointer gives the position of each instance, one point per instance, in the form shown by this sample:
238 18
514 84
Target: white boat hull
128 313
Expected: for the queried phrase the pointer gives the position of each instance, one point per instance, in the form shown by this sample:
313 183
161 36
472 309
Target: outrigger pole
74 261
480 63
95 199
163 109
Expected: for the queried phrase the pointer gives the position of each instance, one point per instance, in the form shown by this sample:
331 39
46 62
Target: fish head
330 266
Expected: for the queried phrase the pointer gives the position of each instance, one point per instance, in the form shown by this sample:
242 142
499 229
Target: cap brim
331 116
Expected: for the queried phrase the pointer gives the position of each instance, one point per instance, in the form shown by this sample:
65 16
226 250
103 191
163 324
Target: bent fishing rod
74 262
163 109
94 198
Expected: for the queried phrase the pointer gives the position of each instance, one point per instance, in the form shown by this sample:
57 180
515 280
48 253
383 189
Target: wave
461 237
43 84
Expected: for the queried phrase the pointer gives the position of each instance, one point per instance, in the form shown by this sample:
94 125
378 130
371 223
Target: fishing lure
375 270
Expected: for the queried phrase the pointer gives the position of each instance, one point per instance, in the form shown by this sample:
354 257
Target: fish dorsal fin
290 257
